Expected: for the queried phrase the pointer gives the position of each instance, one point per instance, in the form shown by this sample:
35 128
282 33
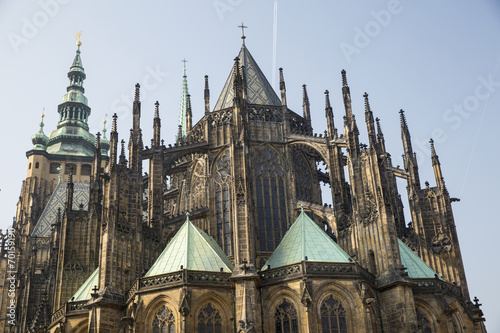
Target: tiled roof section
56 201
259 91
306 239
85 291
415 266
192 249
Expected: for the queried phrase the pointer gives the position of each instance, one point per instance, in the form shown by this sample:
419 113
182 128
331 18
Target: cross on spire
184 61
243 27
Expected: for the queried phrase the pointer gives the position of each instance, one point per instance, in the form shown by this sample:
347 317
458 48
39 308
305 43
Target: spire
346 94
189 115
237 82
123 160
437 167
207 96
104 140
380 135
74 109
370 125
136 110
410 159
156 126
40 140
282 88
184 105
305 104
405 134
113 143
332 131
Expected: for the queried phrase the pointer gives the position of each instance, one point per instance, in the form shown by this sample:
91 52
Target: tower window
54 166
86 170
29 166
70 167
37 165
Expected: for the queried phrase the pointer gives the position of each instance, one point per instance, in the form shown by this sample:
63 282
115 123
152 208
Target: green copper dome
40 140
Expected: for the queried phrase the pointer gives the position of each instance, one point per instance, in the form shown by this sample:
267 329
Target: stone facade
243 173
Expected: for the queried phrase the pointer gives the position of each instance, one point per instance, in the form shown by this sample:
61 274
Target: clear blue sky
439 61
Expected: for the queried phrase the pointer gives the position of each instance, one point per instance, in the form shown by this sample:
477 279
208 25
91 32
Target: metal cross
243 27
184 61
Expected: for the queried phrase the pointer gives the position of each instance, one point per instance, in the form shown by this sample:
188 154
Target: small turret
410 159
104 140
113 143
123 159
370 125
282 88
207 96
332 131
40 140
305 104
380 135
437 167
156 126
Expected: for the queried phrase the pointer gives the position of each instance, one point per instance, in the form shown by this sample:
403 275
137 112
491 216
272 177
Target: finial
157 109
433 150
327 99
367 103
184 61
113 128
137 92
403 118
243 27
77 37
187 216
344 78
301 208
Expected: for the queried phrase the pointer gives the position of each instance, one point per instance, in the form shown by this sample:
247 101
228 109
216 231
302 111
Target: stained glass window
209 320
285 318
332 316
164 321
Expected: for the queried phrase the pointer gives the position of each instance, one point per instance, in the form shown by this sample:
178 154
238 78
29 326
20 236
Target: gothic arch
216 303
222 179
81 327
272 302
146 314
344 296
319 149
270 196
427 319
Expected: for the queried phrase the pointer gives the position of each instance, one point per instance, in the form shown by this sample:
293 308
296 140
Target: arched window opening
70 168
303 178
271 199
54 167
332 316
222 178
209 320
37 165
423 323
29 166
164 321
86 170
285 318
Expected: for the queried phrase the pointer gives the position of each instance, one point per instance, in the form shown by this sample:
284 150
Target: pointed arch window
303 177
271 199
222 178
423 323
209 320
164 321
285 318
198 187
332 315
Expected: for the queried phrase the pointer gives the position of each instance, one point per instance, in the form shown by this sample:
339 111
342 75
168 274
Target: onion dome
40 140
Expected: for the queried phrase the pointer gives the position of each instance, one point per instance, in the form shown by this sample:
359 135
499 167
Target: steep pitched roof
84 292
192 249
58 200
415 266
306 239
259 91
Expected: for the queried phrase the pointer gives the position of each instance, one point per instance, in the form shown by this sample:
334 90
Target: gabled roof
191 249
58 200
85 291
259 91
415 266
306 239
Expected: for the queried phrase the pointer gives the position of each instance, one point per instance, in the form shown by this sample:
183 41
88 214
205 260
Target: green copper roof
85 291
40 140
415 266
192 249
306 239
259 91
57 201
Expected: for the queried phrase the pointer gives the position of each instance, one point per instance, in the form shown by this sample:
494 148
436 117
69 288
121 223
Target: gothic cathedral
225 229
